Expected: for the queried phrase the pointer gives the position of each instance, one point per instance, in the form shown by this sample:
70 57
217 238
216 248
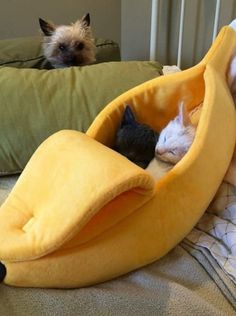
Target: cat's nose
159 150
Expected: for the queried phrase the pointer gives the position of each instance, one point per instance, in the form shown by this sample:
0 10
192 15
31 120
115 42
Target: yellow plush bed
80 213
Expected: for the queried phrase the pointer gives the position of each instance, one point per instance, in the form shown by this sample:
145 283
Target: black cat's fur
134 140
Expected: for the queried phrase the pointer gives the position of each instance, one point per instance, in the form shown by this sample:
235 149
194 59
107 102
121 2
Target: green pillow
37 103
26 52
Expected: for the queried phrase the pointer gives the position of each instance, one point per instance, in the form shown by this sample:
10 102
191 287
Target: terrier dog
68 45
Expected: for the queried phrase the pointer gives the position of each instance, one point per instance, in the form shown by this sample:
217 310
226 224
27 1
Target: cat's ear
183 116
128 117
48 28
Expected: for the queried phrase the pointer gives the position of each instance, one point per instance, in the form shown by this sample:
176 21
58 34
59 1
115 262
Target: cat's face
176 138
135 141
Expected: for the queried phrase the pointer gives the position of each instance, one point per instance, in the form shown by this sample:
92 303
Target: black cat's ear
86 19
3 272
128 117
156 136
47 27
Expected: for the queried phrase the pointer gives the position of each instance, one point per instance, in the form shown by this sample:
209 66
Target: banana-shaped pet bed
81 213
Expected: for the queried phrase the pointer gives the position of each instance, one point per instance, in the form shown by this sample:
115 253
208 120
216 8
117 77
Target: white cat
176 138
173 143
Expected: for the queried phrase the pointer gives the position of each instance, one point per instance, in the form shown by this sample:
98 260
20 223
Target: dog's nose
73 60
70 60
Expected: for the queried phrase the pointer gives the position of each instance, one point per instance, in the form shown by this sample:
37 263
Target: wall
135 29
20 17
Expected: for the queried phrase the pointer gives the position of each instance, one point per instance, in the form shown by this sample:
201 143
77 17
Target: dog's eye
80 46
62 47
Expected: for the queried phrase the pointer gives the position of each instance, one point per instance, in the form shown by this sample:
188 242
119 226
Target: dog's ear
86 19
47 28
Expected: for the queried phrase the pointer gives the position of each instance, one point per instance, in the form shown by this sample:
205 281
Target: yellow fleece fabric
81 213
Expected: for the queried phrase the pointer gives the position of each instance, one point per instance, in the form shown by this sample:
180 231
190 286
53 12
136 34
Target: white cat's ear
183 115
233 24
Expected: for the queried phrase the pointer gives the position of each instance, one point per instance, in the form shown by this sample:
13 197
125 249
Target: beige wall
20 17
135 29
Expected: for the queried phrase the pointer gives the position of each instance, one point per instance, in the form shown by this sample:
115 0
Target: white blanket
216 230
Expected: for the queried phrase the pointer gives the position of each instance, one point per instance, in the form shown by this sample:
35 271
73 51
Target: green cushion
26 52
37 103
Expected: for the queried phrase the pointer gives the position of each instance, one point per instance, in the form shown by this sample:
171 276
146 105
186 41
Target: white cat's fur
157 168
176 138
231 78
173 143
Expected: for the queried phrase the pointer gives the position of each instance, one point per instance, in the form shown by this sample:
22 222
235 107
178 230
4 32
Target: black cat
134 140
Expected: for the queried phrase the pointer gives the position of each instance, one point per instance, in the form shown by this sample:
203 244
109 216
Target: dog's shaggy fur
68 45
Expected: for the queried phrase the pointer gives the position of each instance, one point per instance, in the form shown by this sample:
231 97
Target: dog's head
68 45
